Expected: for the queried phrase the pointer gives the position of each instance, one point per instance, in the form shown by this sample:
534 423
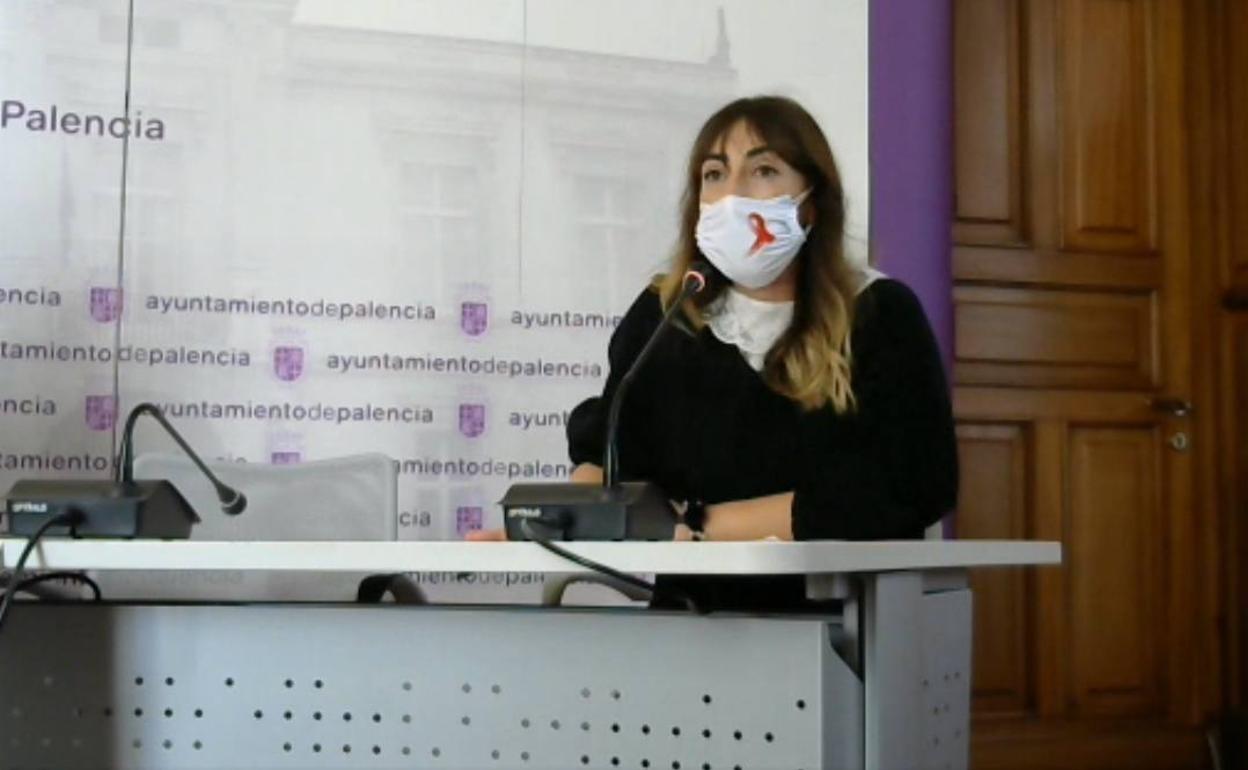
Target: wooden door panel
1108 172
988 127
1045 338
1114 574
1235 32
995 462
980 264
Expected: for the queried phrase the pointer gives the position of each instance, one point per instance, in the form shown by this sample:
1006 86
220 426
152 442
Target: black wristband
695 515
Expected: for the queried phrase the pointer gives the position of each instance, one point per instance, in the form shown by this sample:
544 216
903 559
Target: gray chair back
341 498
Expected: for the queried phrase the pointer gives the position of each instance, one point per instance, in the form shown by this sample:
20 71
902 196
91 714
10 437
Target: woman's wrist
692 521
753 519
694 515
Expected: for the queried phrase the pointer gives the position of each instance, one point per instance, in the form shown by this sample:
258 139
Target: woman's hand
757 518
486 536
586 473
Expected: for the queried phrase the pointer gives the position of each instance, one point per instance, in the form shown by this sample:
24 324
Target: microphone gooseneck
694 282
233 502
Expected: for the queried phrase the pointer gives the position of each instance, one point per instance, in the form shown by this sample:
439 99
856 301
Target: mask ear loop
798 201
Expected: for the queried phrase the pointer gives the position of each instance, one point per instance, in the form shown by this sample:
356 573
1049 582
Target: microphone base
141 510
632 510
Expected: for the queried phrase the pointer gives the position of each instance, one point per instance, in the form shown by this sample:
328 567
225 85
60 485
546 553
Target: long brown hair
810 363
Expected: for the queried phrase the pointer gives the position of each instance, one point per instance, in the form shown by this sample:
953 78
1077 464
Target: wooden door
1073 378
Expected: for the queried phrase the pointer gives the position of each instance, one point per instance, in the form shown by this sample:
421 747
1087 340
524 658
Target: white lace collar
750 324
753 326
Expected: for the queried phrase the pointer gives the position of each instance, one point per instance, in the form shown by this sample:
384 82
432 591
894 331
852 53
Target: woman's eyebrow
762 149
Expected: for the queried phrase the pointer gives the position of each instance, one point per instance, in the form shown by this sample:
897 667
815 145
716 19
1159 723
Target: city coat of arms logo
101 412
472 419
105 304
288 362
474 317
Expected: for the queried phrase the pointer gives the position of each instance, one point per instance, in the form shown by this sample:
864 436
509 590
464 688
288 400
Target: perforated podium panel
395 687
884 686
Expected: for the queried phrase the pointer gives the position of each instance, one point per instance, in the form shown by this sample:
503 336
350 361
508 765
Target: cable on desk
545 542
70 519
75 577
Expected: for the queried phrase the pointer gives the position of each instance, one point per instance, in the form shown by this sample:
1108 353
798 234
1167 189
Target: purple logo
468 518
472 419
285 458
105 304
474 317
288 363
101 412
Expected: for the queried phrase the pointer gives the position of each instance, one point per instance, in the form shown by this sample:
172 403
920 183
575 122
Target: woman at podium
803 396
808 399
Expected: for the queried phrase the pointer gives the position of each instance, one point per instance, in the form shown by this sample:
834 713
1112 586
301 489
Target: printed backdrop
405 226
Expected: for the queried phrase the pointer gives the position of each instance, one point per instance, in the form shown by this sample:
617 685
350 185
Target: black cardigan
703 425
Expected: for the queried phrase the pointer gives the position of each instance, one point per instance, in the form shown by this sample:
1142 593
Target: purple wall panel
911 133
911 155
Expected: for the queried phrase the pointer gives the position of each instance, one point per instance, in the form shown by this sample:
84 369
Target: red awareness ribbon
762 236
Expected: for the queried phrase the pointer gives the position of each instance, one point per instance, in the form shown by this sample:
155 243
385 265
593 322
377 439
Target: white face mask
751 241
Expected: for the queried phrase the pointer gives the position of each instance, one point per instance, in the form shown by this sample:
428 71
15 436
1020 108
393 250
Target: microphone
617 510
117 508
694 282
233 502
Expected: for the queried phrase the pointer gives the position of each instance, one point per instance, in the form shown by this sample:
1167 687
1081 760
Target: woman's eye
766 171
711 175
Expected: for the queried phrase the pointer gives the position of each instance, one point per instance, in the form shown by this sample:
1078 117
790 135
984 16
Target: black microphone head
697 275
233 502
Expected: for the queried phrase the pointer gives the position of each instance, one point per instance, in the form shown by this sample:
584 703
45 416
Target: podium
884 683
